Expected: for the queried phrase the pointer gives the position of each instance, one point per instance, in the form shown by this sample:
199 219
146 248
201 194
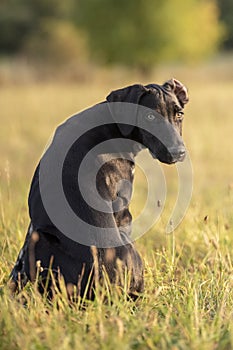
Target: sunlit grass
188 301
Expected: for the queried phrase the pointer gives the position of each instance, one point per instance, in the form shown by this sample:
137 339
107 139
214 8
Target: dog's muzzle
177 154
171 155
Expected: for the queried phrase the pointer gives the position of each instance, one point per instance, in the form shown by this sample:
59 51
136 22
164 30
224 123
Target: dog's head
160 131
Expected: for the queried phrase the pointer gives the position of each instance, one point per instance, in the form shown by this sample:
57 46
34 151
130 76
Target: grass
188 299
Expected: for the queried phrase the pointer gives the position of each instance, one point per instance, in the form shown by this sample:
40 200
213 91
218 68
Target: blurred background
58 57
74 38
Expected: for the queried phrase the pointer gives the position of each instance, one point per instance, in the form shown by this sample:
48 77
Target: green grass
188 299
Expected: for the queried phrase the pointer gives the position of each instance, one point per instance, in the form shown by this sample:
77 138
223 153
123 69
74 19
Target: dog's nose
177 153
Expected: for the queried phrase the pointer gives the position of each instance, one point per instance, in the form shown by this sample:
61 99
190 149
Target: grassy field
188 299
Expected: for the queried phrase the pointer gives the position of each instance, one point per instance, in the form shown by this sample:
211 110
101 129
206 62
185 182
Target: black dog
103 236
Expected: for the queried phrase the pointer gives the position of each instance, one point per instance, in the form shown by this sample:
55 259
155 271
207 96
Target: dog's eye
179 116
150 117
178 112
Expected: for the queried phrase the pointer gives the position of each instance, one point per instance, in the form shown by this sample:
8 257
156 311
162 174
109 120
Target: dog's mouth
171 156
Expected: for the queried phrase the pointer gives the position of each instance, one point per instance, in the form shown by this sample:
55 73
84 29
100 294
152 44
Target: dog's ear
131 94
178 89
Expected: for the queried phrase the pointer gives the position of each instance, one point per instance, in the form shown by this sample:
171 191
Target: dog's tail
18 277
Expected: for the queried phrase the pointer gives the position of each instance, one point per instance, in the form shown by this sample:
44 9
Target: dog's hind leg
18 277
